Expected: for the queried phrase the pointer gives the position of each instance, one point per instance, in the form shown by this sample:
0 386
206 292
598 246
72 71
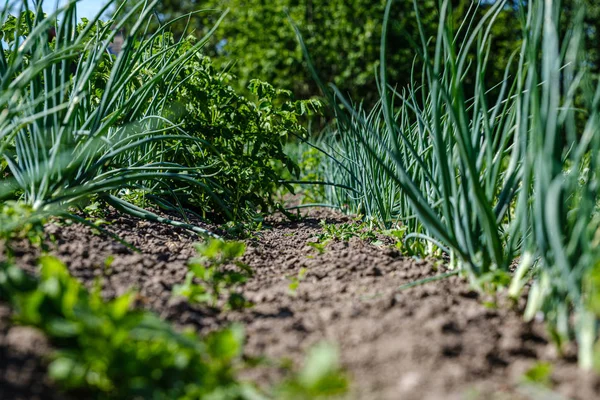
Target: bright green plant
111 351
217 269
320 246
539 374
295 281
411 246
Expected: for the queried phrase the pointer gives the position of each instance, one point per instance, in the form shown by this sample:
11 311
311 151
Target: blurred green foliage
540 373
109 350
343 38
591 20
112 351
18 220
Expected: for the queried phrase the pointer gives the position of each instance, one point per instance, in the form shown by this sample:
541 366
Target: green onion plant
498 174
374 196
558 120
77 121
445 152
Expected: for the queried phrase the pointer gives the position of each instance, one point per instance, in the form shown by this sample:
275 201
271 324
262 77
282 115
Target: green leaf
121 305
321 361
540 373
62 328
227 344
61 369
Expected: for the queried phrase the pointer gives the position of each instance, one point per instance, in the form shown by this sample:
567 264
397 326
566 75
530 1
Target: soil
438 340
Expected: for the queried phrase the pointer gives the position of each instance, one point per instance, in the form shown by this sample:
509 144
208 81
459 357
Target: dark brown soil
439 340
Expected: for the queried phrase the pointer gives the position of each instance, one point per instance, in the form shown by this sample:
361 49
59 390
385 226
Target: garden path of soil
433 341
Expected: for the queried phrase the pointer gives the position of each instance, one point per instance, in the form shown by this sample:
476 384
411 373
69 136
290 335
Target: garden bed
440 339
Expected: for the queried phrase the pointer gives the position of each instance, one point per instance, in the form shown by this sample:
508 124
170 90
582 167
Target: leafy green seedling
494 280
539 374
346 231
408 247
320 246
96 214
491 305
218 270
398 236
295 281
108 264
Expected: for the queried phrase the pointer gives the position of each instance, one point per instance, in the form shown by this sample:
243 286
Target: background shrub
344 38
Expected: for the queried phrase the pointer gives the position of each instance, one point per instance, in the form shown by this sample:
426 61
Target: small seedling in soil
293 286
218 270
539 374
108 264
346 231
409 247
95 214
491 305
243 230
320 246
493 281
